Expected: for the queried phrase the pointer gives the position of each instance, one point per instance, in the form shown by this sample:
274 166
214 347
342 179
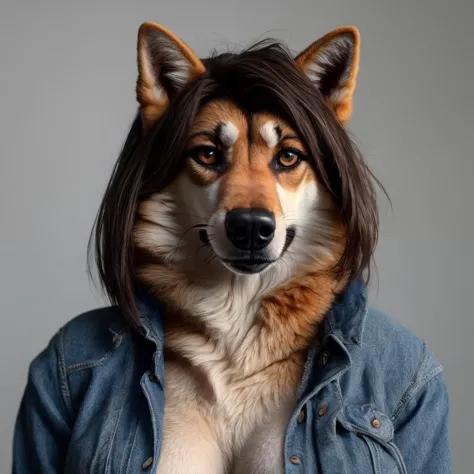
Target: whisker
196 226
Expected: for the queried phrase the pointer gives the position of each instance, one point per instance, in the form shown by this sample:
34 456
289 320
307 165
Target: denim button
153 378
147 463
323 410
295 460
376 423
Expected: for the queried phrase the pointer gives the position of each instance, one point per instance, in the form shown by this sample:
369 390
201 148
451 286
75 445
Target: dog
247 209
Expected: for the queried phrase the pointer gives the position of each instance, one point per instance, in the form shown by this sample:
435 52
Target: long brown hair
262 78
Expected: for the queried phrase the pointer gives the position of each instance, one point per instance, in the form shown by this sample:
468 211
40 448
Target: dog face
247 197
237 166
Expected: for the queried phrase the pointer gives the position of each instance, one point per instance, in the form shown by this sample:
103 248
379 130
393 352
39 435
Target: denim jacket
372 398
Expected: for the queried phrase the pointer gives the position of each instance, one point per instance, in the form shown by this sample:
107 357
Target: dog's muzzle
250 232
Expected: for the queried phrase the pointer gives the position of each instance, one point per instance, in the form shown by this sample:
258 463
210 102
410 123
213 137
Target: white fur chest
229 426
228 397
226 404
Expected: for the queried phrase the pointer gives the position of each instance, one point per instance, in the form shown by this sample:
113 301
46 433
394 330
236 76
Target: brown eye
288 159
206 156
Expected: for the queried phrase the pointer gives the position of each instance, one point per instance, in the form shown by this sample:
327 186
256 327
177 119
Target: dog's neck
273 315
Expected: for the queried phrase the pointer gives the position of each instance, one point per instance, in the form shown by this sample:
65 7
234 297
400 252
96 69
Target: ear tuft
165 65
332 63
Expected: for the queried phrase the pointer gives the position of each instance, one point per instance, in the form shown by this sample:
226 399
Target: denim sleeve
43 424
421 428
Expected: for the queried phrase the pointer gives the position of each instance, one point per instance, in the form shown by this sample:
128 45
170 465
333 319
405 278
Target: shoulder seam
417 383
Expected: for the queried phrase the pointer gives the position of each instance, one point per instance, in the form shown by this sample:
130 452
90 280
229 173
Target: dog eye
206 155
288 159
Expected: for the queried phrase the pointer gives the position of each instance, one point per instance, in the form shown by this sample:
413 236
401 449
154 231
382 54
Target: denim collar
151 312
345 319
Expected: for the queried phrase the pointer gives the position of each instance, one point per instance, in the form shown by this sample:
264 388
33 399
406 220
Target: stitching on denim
347 341
65 391
130 453
339 393
412 383
415 388
339 418
153 419
307 368
362 325
87 365
112 438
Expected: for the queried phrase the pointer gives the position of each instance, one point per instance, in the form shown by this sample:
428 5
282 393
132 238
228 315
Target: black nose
250 229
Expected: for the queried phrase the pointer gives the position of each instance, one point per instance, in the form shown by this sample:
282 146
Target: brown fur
293 312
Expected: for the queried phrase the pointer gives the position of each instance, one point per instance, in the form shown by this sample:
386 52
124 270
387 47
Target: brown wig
262 78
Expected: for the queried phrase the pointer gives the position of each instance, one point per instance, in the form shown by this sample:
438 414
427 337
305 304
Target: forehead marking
270 133
228 134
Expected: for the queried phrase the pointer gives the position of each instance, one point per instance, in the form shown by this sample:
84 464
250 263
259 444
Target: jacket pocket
374 430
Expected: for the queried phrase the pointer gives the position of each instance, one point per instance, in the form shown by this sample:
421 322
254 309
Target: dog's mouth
252 264
248 266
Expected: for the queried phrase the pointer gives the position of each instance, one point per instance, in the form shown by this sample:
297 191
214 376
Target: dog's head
239 164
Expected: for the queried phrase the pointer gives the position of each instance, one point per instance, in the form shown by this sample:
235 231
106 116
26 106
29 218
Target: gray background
67 72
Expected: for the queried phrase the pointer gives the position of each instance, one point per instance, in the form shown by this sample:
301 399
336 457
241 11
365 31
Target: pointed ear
331 63
165 65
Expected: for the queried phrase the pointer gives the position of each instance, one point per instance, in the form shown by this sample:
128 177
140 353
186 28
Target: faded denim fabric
372 394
